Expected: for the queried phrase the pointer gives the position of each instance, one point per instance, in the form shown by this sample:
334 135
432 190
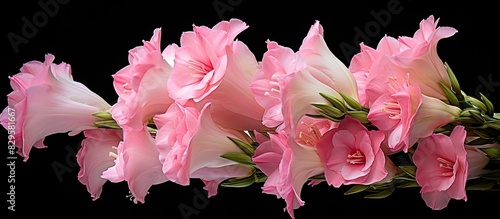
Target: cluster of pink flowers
207 109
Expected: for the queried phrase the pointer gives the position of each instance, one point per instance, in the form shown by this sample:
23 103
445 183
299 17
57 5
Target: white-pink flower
205 150
46 100
442 168
142 85
94 157
324 74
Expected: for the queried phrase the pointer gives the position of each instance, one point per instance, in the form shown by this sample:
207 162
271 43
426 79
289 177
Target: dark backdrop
95 36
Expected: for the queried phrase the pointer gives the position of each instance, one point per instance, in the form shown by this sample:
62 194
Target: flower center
393 109
356 158
311 136
446 165
113 154
199 69
274 91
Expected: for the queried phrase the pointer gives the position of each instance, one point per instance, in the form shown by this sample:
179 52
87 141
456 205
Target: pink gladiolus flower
233 94
142 85
267 158
136 163
277 63
93 157
324 74
394 111
352 154
296 169
200 62
432 114
421 59
416 56
477 160
319 58
46 100
289 162
198 155
442 168
176 127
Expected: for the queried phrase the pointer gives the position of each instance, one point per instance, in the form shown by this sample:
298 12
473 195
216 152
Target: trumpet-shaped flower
277 64
46 100
234 94
324 74
200 62
442 168
93 157
142 85
136 163
176 127
416 56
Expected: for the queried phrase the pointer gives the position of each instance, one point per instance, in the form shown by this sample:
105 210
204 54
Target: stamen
447 165
393 109
356 158
312 135
199 67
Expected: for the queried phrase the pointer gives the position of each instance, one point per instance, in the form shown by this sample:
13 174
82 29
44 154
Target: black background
95 36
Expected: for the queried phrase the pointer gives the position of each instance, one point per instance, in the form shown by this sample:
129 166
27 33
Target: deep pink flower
94 157
46 100
142 85
442 168
352 154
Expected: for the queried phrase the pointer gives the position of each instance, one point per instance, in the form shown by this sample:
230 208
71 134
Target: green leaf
479 141
482 186
382 194
491 152
354 104
359 115
245 147
493 124
493 175
410 170
239 158
356 189
329 110
454 82
335 102
490 110
408 184
105 115
452 98
239 182
477 103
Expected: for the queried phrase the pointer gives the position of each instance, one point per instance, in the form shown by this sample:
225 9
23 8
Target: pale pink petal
94 158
